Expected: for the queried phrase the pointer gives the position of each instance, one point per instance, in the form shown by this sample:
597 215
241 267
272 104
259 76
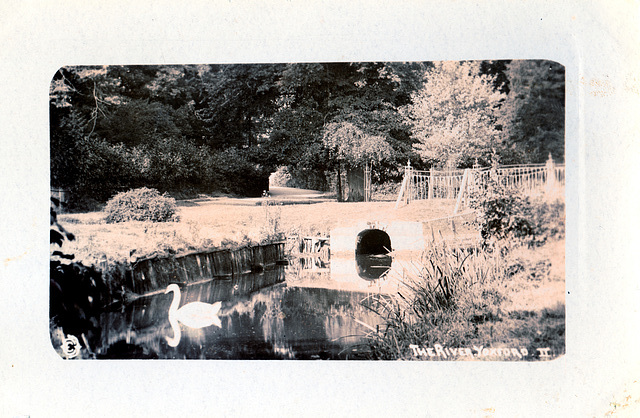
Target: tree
203 127
498 71
78 98
534 110
119 127
454 115
350 147
366 95
240 98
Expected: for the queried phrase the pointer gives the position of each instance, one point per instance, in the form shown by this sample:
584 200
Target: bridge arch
373 241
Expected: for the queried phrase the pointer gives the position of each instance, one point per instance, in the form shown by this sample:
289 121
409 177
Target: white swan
192 315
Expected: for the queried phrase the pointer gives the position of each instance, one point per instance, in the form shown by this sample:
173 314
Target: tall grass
465 298
456 298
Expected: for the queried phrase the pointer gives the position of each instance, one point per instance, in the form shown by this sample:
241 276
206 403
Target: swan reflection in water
192 315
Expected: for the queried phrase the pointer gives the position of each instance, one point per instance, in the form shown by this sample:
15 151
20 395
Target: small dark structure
355 186
373 241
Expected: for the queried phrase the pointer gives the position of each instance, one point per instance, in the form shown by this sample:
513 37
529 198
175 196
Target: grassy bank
500 299
206 224
507 304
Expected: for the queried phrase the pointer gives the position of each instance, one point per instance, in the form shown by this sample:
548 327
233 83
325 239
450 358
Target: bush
504 213
239 174
141 204
549 219
102 169
386 191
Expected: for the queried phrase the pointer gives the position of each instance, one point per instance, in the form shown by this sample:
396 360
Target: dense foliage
505 213
76 291
141 204
454 115
224 128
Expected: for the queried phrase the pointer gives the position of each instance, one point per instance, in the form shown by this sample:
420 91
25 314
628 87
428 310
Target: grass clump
142 204
445 296
470 300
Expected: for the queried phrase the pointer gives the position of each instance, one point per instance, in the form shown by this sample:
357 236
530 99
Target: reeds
482 296
443 296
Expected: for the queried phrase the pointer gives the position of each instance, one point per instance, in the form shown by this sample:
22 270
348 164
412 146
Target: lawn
221 223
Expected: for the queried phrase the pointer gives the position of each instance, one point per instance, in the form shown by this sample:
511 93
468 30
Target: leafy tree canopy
454 114
206 126
349 145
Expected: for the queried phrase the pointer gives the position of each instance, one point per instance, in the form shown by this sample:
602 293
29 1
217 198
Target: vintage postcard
337 211
319 208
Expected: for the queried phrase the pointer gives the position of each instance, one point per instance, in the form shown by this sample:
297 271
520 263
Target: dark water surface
309 310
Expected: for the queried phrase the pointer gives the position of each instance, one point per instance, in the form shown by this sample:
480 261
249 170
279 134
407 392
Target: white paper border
596 41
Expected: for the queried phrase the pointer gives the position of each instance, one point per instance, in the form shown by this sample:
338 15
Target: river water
311 309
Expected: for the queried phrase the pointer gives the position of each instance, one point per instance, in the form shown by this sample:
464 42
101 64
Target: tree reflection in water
275 322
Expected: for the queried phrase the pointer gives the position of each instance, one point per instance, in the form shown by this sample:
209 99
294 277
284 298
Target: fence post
367 182
431 180
551 174
404 189
493 172
410 186
465 178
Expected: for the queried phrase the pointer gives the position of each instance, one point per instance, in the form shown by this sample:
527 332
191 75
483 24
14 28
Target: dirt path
281 195
289 192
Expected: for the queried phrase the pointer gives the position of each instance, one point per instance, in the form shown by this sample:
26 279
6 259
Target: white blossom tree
454 116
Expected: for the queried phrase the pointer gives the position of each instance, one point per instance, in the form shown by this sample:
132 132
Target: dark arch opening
373 241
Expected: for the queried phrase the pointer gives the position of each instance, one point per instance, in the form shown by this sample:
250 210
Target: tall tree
454 115
535 109
240 98
365 95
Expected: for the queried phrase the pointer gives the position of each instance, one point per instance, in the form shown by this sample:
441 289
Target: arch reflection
372 267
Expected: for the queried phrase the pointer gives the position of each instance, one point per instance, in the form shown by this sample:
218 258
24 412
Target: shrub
238 173
502 212
505 213
102 169
141 204
385 191
548 218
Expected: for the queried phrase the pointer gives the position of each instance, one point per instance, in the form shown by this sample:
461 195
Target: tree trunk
339 185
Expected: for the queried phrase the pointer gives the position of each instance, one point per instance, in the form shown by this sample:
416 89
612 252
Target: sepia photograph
319 208
309 211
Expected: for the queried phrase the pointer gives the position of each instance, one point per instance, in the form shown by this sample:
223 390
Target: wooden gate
358 185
